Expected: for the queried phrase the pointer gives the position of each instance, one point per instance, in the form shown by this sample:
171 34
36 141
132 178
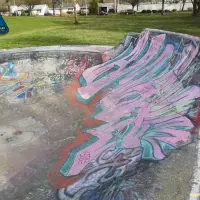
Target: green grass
100 30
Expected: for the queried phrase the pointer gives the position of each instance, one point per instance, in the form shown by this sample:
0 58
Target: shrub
144 11
154 11
148 11
174 10
23 13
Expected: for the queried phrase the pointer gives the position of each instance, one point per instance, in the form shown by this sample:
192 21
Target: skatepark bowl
100 122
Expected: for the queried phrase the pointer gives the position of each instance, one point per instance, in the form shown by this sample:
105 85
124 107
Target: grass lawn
101 30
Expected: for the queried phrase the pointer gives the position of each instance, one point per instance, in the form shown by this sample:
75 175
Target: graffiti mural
22 85
138 106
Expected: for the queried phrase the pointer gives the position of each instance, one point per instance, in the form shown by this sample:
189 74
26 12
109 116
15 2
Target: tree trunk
61 7
134 3
29 10
183 5
114 6
9 10
198 7
75 13
53 5
163 7
195 8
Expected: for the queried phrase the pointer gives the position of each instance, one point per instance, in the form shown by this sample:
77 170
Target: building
14 9
110 7
67 8
169 5
106 7
21 8
124 7
40 9
84 9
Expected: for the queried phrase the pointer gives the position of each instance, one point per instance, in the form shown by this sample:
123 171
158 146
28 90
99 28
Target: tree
184 1
75 13
31 4
196 7
163 7
57 3
9 9
53 6
134 2
94 8
3 9
61 6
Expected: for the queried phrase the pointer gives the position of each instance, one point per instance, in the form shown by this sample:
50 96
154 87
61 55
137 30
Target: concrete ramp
96 123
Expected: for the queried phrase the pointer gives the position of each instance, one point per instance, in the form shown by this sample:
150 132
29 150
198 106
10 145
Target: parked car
47 14
5 14
111 10
127 12
102 13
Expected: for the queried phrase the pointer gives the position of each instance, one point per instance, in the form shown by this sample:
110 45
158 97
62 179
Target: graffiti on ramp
138 106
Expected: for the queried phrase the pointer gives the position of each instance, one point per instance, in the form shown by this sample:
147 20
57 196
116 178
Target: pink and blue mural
138 106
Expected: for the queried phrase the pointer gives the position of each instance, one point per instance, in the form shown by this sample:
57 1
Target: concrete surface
43 122
38 126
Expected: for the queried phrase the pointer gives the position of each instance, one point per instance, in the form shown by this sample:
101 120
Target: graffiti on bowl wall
138 106
21 85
